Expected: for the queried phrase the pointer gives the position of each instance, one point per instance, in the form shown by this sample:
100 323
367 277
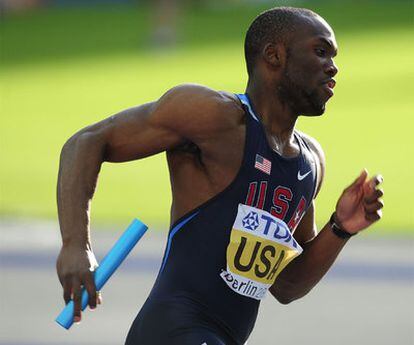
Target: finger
67 290
77 296
373 182
98 297
91 289
376 180
373 196
373 217
373 207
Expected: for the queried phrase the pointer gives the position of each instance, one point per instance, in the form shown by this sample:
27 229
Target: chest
283 188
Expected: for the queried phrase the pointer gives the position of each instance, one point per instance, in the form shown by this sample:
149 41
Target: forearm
302 274
80 162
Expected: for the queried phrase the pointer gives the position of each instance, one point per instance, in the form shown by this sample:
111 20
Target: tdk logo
251 221
268 226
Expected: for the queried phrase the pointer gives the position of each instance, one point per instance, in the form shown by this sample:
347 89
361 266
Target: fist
75 267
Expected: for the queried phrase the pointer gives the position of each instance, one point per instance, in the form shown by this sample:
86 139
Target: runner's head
291 50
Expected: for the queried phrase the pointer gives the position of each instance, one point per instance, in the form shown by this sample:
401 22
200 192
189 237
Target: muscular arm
132 134
358 207
303 273
184 114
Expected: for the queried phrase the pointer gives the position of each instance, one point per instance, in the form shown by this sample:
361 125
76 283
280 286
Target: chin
312 104
315 110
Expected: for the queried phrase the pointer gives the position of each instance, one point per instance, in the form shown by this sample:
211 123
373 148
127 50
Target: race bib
260 247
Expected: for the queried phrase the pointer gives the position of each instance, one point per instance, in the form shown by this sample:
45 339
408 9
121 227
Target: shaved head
276 25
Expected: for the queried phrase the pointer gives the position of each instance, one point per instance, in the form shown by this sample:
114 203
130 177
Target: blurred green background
64 67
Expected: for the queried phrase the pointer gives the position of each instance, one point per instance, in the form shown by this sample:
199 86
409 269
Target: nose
331 69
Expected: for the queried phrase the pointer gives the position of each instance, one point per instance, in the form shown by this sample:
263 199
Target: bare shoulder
197 110
318 153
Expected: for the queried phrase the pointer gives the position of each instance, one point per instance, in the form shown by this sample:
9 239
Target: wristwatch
337 230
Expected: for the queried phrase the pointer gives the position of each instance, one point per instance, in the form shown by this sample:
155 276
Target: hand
360 205
75 267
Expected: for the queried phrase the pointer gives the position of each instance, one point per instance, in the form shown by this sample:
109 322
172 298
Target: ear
274 54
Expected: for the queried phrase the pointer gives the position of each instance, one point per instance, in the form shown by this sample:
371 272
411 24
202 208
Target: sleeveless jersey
222 257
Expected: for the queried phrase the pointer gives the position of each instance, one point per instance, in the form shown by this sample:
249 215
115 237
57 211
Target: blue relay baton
108 266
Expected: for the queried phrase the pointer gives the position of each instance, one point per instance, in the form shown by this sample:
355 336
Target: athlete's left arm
358 207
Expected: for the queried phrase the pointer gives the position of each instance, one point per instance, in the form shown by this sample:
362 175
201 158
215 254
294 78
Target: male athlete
243 183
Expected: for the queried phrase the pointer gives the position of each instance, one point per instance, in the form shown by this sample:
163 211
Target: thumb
360 179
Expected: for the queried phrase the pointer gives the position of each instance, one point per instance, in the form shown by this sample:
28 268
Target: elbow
280 295
84 140
71 144
285 294
67 146
68 150
282 298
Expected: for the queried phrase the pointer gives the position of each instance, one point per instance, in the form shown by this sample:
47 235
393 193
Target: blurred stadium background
68 63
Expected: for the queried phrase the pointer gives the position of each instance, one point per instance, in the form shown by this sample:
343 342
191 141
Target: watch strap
337 230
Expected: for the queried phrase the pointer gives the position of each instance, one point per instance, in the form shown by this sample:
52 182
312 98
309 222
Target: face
307 82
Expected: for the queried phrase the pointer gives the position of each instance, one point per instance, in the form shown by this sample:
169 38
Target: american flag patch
263 164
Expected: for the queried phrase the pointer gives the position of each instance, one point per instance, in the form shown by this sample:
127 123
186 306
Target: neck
276 115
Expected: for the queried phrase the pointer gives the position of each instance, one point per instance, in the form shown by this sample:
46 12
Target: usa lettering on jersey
260 247
282 198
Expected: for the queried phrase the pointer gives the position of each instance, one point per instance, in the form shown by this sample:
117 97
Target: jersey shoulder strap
244 99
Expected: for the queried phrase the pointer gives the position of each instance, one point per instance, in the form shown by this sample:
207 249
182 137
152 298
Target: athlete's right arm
132 134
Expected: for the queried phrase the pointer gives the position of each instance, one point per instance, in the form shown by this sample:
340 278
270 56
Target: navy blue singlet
221 258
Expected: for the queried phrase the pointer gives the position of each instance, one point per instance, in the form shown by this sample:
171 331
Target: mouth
328 86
